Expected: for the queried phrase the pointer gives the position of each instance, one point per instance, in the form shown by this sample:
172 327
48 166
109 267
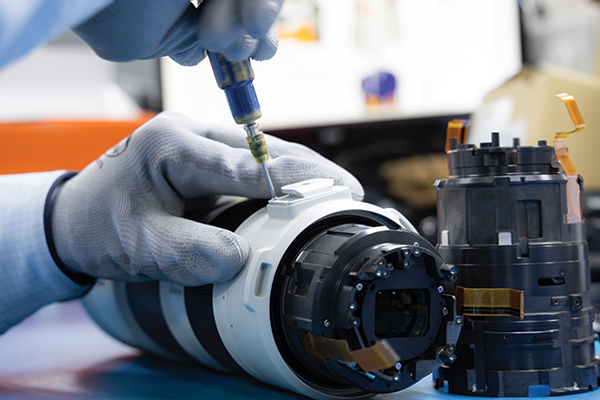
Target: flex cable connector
258 148
574 214
490 302
373 358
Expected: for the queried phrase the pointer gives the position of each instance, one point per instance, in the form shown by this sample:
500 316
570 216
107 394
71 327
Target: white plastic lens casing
241 306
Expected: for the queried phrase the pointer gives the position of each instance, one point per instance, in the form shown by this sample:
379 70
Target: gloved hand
130 30
120 218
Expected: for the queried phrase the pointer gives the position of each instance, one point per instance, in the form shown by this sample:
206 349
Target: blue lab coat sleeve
26 24
29 277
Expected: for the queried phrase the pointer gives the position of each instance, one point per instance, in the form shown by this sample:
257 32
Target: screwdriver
235 78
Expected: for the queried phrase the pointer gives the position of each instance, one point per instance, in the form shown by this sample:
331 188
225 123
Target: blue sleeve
26 24
29 277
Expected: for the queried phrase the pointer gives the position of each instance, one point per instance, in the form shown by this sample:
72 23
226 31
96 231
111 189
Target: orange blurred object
50 145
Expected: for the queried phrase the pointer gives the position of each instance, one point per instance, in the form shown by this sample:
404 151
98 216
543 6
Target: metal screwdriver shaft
235 78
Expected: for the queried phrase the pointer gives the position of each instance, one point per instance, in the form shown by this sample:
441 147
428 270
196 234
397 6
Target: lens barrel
325 273
502 222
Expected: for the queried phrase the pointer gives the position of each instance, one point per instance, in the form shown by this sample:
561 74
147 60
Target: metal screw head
327 323
440 289
386 273
453 271
359 286
459 320
406 263
352 305
390 266
379 274
396 377
381 262
355 321
451 348
406 252
398 366
452 357
444 311
417 252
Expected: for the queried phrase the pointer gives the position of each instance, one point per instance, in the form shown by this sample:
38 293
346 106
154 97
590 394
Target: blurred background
371 84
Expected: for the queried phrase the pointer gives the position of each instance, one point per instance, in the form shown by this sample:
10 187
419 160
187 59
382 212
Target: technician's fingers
200 160
267 46
181 42
291 169
241 48
258 49
258 16
218 26
194 254
239 29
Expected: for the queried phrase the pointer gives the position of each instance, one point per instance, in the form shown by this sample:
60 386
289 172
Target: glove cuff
77 277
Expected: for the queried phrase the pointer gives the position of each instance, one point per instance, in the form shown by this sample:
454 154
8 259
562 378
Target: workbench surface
59 353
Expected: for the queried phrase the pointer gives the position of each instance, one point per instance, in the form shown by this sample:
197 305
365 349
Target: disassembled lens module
338 299
510 219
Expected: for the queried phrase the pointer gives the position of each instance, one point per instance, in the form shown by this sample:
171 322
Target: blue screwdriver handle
235 78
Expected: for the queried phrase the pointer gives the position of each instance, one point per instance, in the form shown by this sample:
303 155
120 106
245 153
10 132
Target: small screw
396 377
406 264
451 348
327 323
440 289
459 320
452 357
355 321
359 286
390 266
378 274
381 262
398 366
417 252
406 252
453 271
386 273
444 311
353 305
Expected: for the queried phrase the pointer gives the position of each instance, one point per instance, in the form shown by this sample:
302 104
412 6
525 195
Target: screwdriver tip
269 182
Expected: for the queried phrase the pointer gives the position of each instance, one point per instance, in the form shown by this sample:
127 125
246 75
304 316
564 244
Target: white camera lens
338 299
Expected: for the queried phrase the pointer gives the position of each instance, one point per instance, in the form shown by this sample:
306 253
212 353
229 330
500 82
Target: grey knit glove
120 218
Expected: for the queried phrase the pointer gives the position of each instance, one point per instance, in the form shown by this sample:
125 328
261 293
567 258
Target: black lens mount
355 277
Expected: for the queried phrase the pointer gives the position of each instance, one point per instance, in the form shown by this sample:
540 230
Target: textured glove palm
120 218
143 29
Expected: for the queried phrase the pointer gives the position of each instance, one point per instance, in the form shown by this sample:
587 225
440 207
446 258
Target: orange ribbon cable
490 302
457 129
377 357
574 214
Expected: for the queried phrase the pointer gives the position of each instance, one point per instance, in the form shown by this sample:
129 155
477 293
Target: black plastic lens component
502 222
401 313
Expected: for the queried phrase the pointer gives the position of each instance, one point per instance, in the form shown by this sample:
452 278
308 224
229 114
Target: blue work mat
59 353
